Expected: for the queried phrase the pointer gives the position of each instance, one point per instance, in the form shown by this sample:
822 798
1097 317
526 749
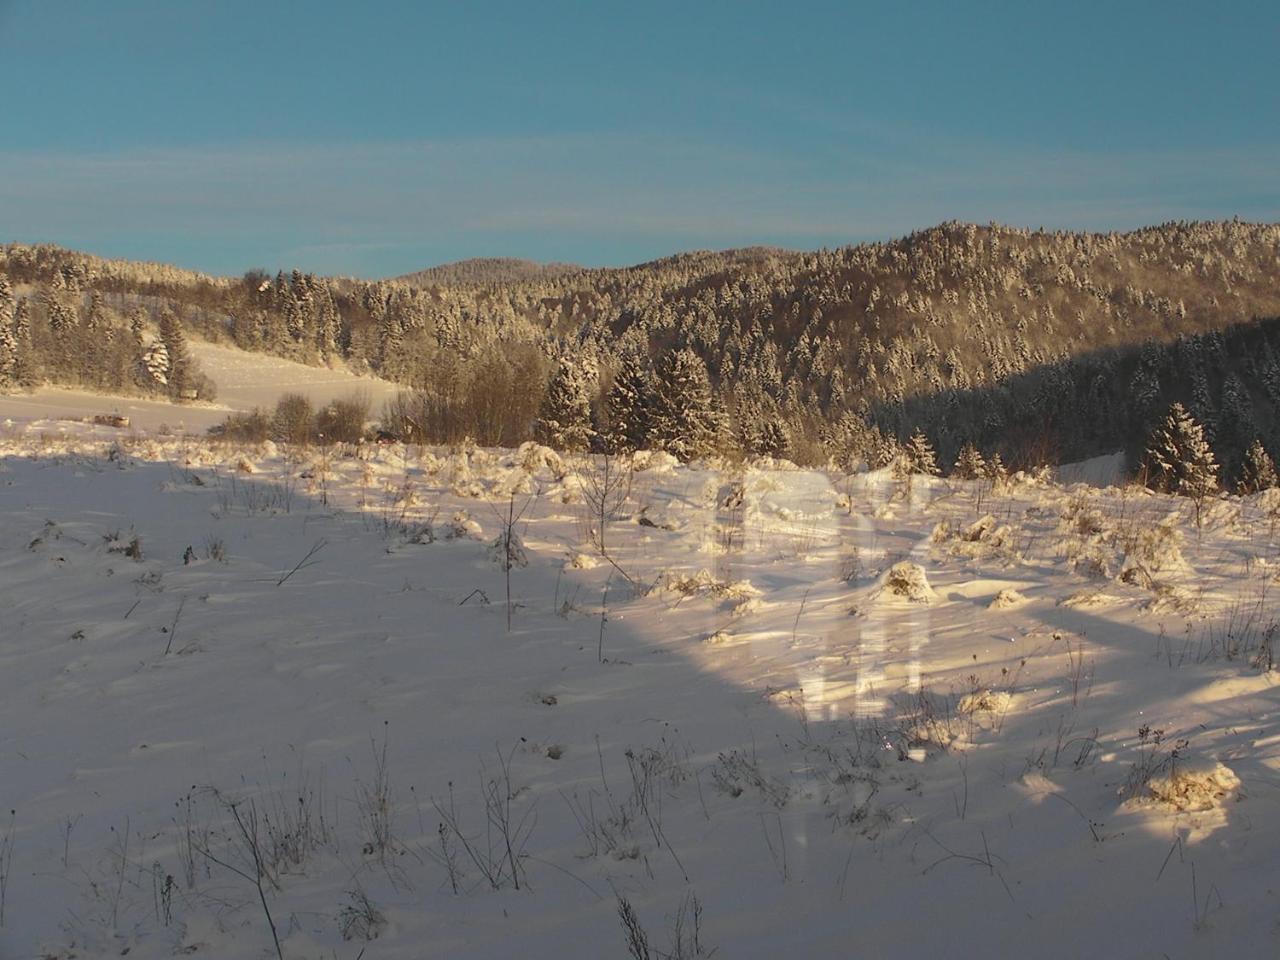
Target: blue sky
377 138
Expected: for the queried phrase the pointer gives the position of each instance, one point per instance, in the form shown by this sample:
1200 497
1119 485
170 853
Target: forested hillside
1040 345
488 271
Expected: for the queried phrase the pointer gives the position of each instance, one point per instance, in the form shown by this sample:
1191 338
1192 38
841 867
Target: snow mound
981 537
1194 789
461 526
580 561
704 584
1005 599
1167 597
657 462
985 701
507 550
1090 598
905 581
534 457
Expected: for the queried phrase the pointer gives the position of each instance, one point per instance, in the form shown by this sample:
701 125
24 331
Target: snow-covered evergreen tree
564 418
25 372
882 449
1258 472
1180 460
631 403
8 342
996 471
1202 405
138 328
919 455
8 355
969 464
686 421
155 365
761 428
178 372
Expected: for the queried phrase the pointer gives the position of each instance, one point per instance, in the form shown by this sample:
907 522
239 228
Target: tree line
1032 344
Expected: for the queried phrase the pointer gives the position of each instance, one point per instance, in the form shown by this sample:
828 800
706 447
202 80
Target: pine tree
882 449
1202 405
8 354
178 374
686 422
138 328
8 342
761 428
919 455
61 324
564 418
91 343
25 372
996 471
1180 460
775 436
631 403
391 359
1259 471
155 365
1237 426
969 464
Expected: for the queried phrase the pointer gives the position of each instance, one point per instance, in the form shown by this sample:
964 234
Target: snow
244 380
721 705
1104 471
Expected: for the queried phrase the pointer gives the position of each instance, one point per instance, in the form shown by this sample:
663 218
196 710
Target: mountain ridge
985 318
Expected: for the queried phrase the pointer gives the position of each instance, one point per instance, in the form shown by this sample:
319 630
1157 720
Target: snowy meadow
403 701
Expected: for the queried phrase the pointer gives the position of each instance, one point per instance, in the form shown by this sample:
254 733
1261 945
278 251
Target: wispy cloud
395 206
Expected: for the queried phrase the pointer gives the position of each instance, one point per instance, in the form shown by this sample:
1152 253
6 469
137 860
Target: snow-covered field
782 712
245 380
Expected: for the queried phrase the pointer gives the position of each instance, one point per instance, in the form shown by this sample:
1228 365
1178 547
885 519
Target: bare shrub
251 427
686 932
499 853
343 421
360 918
294 420
734 772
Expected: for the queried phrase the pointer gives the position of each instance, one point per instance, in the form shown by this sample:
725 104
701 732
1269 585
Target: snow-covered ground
244 380
850 719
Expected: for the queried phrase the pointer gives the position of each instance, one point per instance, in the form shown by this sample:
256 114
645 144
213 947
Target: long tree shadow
1095 403
646 767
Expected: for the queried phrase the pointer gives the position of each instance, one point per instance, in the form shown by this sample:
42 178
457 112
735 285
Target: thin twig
305 562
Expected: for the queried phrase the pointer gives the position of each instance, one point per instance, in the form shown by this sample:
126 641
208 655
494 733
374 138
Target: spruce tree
91 343
761 428
749 428
8 354
631 403
882 449
25 372
1202 404
8 342
138 328
686 421
178 375
564 418
969 464
63 363
775 436
1259 471
919 455
1180 460
996 471
154 366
